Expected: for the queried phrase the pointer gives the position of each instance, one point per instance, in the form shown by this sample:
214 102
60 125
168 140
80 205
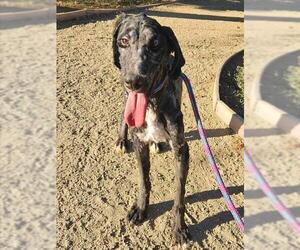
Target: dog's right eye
124 42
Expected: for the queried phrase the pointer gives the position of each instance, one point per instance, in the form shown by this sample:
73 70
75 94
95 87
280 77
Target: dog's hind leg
182 164
181 150
137 212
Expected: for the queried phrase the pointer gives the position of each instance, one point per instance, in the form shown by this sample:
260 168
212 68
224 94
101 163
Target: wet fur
164 119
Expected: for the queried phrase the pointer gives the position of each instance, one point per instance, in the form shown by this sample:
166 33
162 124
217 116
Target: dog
149 58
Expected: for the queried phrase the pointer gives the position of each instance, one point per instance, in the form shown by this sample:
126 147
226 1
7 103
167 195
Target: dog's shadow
198 230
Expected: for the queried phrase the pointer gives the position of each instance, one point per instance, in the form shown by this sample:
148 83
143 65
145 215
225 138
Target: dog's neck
158 86
159 82
162 90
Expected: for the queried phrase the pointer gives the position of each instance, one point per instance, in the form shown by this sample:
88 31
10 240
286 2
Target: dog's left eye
155 44
124 42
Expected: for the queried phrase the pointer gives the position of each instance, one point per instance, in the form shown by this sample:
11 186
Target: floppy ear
116 53
174 47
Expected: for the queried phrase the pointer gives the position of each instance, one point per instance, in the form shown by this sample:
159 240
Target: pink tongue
135 109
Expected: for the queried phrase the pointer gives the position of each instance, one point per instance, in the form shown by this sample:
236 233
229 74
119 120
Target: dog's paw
122 145
182 236
155 147
136 215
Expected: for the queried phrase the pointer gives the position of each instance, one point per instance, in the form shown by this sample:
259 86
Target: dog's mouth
136 104
135 109
141 89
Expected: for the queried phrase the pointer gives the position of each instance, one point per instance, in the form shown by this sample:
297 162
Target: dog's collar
158 87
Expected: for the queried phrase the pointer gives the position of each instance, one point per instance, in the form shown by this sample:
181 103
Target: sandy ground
27 132
95 185
276 154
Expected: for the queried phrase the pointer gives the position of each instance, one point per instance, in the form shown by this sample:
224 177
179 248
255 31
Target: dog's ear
116 53
175 48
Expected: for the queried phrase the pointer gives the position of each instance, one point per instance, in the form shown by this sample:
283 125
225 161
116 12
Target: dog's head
142 49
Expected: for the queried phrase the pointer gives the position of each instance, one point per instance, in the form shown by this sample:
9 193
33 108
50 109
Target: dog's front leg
181 149
122 143
138 211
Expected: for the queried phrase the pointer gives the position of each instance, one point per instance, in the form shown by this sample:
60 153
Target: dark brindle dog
150 60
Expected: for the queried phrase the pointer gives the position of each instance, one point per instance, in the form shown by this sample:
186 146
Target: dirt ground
27 132
95 185
275 152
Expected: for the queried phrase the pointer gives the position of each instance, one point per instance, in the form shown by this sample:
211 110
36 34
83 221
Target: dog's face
142 49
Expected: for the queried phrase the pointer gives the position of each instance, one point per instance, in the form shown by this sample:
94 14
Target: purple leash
276 202
252 168
210 157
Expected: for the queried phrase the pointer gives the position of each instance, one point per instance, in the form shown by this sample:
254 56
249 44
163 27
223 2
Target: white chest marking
155 131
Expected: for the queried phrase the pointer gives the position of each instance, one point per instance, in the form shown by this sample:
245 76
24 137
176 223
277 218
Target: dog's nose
133 83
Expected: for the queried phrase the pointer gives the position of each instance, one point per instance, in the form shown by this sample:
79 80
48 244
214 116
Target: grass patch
104 3
239 82
232 84
292 77
280 83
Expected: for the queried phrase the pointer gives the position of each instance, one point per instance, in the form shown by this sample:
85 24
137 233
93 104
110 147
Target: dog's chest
154 130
